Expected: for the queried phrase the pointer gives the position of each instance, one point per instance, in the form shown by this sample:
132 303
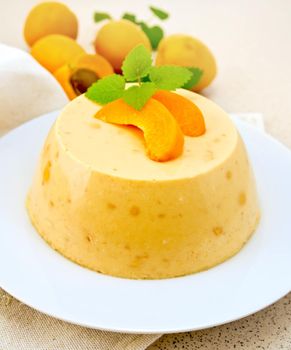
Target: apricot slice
77 76
162 134
50 18
53 51
187 114
117 38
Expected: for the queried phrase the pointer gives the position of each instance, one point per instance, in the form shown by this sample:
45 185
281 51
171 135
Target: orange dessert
159 192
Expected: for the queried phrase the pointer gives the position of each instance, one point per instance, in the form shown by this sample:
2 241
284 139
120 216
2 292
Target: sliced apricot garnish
162 134
78 75
187 114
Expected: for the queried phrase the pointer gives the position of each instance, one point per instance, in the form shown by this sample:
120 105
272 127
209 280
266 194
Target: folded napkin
27 90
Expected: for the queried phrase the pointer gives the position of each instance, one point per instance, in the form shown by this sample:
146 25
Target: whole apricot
50 18
116 38
77 76
184 50
53 51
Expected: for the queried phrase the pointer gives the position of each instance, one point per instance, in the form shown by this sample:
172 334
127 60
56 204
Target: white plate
38 276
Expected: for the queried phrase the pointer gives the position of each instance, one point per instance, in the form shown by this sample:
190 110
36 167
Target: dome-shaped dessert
101 202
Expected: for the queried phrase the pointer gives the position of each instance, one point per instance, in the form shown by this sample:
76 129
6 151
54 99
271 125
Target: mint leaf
159 13
145 79
169 77
100 16
137 96
155 34
196 76
130 17
137 63
107 89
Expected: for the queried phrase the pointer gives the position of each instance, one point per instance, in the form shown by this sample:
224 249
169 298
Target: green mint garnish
159 13
107 89
130 17
100 16
138 95
196 76
137 67
137 64
169 77
155 34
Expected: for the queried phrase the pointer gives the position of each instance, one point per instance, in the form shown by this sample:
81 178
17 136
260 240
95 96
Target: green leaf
196 76
137 96
130 17
107 89
100 16
145 79
159 13
137 63
169 77
155 34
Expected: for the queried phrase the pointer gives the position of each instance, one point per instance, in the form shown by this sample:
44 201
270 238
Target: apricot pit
77 76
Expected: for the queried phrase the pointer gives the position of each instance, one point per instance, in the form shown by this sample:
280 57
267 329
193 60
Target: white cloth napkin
26 89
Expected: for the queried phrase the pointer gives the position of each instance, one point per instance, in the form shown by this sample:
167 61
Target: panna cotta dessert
100 201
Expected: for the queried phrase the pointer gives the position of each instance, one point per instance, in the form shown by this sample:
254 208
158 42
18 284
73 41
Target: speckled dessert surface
269 329
95 187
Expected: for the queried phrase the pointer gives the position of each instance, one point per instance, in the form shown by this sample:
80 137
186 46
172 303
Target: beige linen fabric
22 328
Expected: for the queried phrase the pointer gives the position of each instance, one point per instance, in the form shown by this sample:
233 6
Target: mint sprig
169 77
100 16
138 95
107 89
196 76
130 17
155 34
161 14
137 64
137 67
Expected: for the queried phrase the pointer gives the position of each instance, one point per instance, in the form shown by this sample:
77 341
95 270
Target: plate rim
245 125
